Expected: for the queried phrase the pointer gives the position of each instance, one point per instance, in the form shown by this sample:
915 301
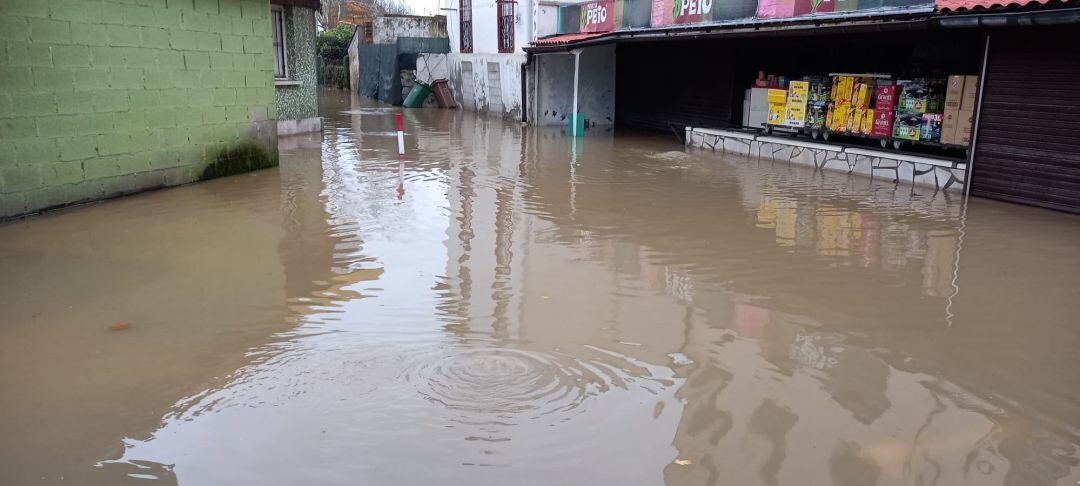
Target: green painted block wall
299 102
107 97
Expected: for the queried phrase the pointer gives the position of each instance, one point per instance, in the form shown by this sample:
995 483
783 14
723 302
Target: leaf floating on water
683 462
120 326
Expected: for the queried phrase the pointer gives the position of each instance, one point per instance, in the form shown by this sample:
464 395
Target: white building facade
486 57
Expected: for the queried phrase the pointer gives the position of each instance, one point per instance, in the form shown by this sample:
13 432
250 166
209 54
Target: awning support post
577 66
978 112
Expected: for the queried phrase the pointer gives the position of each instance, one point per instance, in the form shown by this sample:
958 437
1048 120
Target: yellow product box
777 114
860 97
777 96
857 120
867 122
842 92
798 91
841 116
796 115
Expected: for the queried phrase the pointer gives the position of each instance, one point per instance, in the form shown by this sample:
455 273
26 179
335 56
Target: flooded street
619 310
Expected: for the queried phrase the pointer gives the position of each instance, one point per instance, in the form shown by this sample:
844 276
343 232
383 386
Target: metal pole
577 65
978 113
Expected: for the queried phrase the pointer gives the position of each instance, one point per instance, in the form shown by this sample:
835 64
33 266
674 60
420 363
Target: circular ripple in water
507 382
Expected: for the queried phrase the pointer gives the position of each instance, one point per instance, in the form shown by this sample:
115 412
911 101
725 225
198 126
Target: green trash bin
417 95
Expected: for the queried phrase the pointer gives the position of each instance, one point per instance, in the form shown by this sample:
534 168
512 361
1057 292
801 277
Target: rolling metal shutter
1028 144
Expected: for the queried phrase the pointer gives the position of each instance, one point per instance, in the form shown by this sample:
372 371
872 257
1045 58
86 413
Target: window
505 9
277 18
466 25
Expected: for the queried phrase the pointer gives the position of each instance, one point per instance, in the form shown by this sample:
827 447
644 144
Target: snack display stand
873 106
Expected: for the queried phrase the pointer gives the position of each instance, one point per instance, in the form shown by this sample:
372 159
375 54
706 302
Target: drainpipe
577 67
978 113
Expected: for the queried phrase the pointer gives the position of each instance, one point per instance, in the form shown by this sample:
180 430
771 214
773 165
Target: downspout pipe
525 89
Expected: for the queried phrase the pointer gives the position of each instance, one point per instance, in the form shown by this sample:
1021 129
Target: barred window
505 9
466 26
277 18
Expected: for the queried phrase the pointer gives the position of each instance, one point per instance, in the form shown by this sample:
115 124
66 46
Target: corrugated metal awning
965 5
564 39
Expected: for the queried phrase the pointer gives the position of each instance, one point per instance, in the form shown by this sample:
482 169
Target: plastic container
443 95
419 93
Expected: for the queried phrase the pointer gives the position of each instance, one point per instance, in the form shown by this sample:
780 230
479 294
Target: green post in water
580 125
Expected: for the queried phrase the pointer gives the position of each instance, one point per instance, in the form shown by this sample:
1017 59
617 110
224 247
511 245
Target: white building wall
546 19
488 81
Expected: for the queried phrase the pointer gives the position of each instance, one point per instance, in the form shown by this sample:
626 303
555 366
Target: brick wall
106 97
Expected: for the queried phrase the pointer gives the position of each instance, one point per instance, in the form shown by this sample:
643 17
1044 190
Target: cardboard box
954 92
971 92
949 122
883 124
964 120
867 126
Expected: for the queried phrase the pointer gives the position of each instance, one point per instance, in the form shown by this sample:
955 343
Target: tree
333 44
358 12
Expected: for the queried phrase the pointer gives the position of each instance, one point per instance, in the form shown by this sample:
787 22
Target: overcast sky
424 7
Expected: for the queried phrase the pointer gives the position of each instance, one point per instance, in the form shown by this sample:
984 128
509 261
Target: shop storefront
985 87
913 90
1028 142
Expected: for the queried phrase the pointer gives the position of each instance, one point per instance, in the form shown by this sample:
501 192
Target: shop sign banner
781 9
598 16
682 12
678 12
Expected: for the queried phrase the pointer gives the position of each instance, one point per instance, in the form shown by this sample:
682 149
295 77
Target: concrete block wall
107 97
552 96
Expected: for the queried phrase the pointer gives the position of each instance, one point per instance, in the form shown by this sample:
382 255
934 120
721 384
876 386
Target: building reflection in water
674 317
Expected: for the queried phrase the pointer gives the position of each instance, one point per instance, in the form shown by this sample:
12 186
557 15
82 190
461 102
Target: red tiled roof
564 39
963 5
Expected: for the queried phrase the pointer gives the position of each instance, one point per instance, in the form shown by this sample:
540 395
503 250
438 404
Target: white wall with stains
486 80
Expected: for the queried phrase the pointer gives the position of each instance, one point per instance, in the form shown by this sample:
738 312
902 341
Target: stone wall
388 28
103 98
299 101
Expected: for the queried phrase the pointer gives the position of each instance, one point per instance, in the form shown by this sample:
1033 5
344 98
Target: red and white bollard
399 123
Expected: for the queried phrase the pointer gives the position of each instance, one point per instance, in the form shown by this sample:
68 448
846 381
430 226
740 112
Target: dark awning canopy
312 4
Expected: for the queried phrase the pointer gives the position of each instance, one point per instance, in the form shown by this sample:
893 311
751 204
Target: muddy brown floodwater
617 310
